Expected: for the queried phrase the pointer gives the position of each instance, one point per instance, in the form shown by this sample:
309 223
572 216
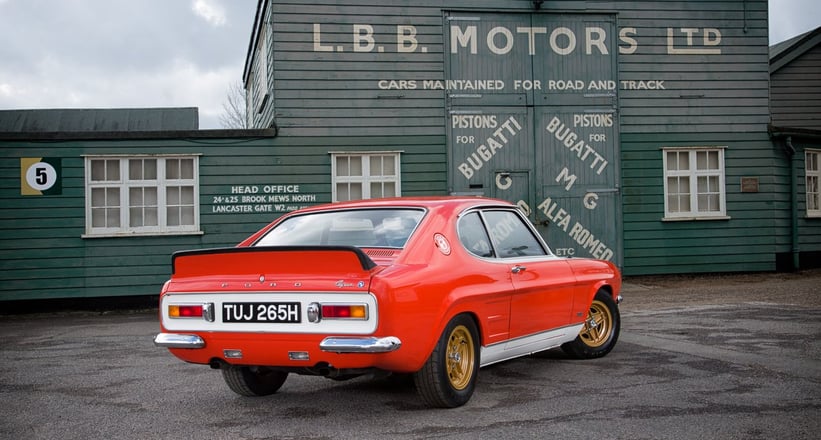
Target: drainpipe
793 161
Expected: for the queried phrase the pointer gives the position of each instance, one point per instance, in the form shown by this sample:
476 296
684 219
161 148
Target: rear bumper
333 344
175 340
347 344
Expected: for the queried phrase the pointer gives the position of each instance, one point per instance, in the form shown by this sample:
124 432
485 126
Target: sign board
40 176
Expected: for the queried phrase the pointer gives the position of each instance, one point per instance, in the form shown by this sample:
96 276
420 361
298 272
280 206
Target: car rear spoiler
265 259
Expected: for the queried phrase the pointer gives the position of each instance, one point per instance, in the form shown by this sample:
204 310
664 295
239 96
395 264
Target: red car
436 287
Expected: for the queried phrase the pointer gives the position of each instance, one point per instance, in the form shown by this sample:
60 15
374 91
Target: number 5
41 175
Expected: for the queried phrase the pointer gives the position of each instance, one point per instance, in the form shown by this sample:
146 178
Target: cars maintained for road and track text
436 287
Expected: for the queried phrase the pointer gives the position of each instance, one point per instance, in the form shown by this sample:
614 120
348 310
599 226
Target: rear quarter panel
592 276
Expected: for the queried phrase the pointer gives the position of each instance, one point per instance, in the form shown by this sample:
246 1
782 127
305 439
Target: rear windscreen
361 228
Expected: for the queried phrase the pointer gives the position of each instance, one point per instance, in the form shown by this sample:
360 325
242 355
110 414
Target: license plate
279 312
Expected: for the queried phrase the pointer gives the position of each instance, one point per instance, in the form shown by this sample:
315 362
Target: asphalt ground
712 357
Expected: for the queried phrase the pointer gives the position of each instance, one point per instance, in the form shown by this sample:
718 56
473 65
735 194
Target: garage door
533 118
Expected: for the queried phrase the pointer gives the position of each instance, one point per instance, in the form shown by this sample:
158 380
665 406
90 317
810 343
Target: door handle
517 269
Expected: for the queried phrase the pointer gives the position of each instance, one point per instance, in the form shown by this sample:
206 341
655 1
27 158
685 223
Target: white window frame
812 170
695 211
367 177
122 186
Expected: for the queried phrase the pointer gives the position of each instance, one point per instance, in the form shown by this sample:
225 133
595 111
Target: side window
510 236
473 236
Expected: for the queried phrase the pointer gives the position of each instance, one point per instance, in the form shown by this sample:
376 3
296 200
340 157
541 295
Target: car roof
456 203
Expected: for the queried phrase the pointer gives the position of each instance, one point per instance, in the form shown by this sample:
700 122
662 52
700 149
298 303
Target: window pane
135 196
672 204
172 195
376 166
97 170
355 166
683 160
376 190
150 169
187 215
701 160
389 166
187 195
112 217
342 192
187 169
342 167
135 217
473 236
703 185
135 169
389 189
151 216
511 237
672 161
97 197
173 216
172 169
97 218
150 196
355 191
812 161
112 196
112 170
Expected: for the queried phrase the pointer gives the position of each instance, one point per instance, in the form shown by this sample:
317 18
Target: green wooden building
637 132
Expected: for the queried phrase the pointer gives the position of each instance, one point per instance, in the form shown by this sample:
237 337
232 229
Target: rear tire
600 331
448 378
253 381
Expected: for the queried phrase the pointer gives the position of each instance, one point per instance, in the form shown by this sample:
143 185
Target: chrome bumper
347 344
174 340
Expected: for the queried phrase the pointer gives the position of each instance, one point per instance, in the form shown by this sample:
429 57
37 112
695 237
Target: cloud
210 11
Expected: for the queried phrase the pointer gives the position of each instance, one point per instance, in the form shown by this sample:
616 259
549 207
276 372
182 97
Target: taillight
345 311
185 311
203 311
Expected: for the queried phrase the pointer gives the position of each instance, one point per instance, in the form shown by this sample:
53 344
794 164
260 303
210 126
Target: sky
166 53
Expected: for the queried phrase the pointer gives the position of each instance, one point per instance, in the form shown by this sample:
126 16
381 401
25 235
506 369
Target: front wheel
253 381
600 331
448 378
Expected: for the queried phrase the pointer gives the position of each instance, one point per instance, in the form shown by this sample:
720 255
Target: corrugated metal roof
102 120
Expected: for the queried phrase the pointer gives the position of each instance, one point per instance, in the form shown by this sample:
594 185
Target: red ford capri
433 287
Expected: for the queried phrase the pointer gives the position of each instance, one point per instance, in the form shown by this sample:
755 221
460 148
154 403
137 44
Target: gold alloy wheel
460 357
598 325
